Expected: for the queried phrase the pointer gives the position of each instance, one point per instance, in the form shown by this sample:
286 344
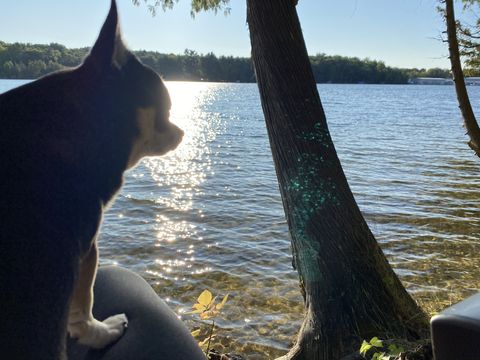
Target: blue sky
402 33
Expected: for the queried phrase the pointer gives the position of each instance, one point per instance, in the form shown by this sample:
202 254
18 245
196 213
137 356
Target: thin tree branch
462 95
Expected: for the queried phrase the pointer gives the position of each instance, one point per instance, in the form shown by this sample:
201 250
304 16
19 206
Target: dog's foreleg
81 323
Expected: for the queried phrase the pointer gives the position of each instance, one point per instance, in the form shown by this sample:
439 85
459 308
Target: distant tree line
30 61
352 70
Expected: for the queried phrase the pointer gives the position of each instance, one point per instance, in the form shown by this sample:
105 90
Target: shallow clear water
209 215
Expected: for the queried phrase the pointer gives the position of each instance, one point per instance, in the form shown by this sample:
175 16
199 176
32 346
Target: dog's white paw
98 334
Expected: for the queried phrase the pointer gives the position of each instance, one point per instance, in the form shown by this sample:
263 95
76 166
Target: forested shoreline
30 61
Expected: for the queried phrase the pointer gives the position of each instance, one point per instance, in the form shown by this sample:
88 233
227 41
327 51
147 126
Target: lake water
209 215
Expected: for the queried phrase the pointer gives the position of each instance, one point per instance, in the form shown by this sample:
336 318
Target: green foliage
467 3
27 61
153 5
196 5
375 350
352 70
30 61
468 36
215 5
338 69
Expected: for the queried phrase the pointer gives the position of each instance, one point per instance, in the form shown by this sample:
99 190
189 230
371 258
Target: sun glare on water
179 176
185 168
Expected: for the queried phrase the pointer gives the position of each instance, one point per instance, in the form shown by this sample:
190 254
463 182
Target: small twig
210 338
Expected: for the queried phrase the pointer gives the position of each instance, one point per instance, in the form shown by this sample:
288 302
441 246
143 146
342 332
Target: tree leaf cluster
196 5
207 308
376 350
206 305
468 36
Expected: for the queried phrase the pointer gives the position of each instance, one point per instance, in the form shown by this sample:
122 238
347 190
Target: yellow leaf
199 307
195 332
375 341
365 347
198 311
205 298
205 315
224 300
202 343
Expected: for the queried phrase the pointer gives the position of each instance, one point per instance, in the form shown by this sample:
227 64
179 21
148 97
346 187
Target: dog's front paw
98 334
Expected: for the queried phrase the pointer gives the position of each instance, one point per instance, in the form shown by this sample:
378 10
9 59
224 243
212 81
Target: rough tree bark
350 290
469 119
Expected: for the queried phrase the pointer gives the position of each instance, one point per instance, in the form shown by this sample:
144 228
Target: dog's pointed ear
109 49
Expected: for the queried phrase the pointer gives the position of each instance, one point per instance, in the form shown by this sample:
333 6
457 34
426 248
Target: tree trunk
350 290
462 95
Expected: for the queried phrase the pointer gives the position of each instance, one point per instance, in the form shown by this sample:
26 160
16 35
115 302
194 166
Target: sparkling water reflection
209 214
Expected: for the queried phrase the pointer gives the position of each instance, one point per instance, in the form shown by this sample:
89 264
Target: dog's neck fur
103 111
65 142
77 123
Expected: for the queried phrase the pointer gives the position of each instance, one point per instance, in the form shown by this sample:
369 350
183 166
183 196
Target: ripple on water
209 215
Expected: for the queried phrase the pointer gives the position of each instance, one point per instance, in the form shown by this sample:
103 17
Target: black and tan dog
65 142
